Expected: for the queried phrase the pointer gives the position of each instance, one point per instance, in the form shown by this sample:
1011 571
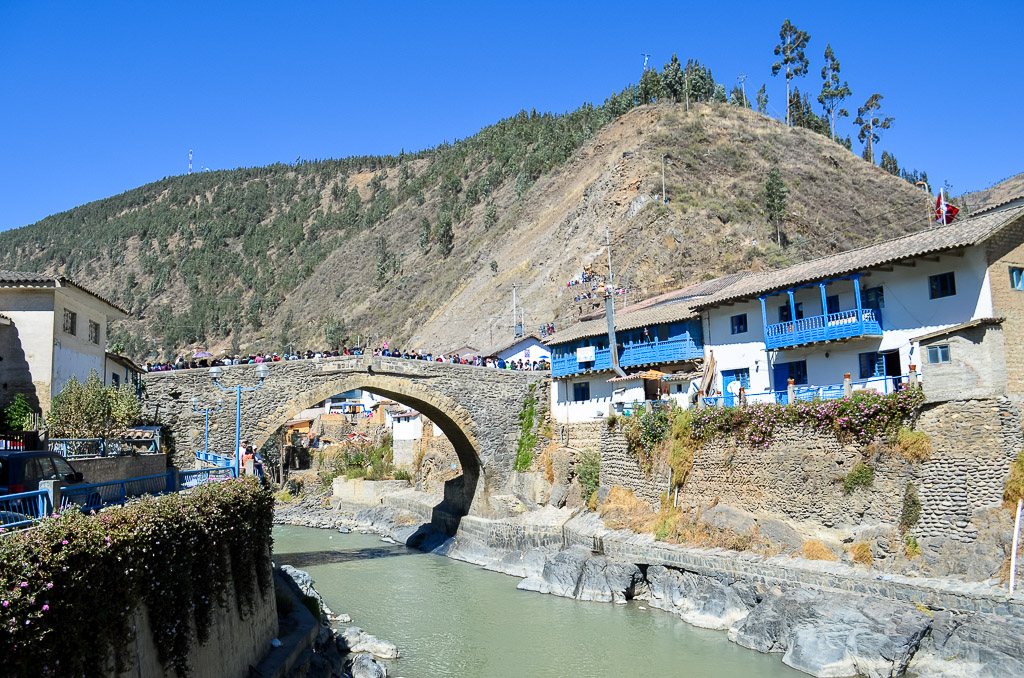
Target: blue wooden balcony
668 351
829 327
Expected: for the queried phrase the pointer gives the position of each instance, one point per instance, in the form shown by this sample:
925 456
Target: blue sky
100 97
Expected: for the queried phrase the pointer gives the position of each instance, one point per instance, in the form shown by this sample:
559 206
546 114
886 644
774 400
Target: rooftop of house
632 317
961 233
515 342
22 279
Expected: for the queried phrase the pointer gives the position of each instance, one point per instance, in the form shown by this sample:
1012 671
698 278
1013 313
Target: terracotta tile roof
24 279
943 238
630 318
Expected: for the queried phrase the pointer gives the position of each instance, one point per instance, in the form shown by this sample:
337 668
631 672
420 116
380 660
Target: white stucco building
54 329
528 348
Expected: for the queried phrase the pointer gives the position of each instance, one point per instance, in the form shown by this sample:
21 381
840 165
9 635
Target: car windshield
63 468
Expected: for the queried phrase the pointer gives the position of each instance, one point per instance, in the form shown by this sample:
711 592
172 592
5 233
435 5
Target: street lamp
206 412
262 370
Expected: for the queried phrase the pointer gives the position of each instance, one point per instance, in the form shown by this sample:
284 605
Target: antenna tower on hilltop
190 161
646 57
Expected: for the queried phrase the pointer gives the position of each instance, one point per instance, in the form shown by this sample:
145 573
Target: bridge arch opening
454 421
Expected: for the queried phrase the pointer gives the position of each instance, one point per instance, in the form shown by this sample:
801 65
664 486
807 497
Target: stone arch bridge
477 408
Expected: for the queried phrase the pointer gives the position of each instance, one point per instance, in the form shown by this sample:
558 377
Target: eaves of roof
23 279
956 328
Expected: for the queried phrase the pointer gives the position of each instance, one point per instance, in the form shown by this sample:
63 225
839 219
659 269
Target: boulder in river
983 646
577 573
364 666
354 639
833 634
699 600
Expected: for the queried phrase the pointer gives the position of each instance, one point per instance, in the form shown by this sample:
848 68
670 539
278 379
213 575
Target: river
450 618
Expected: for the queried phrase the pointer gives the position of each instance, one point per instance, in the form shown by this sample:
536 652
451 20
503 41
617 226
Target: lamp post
206 412
262 370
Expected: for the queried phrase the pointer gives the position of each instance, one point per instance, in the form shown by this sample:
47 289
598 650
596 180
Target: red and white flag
944 212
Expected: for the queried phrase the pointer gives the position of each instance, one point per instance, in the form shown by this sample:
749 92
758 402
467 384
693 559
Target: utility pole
743 87
927 203
646 57
608 243
686 86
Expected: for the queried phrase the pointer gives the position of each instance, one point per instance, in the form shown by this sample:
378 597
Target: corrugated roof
942 238
515 341
630 318
24 279
961 326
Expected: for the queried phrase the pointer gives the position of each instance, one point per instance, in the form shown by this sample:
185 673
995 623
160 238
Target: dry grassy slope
719 158
1006 189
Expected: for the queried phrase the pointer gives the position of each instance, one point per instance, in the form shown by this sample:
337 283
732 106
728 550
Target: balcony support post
860 311
824 302
792 308
764 319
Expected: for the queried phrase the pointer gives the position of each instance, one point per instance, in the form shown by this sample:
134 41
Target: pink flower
45 608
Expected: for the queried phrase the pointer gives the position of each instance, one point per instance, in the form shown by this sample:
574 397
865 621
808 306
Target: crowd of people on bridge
186 363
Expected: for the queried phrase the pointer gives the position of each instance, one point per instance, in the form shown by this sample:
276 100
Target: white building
528 348
54 329
859 312
406 432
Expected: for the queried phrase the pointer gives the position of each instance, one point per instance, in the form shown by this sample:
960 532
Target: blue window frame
938 354
738 323
785 315
832 304
941 285
1017 278
872 364
873 297
580 391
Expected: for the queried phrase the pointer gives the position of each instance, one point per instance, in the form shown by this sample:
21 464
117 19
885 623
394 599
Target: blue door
732 380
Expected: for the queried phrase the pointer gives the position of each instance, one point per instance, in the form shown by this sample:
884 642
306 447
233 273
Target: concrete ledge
371 492
110 469
297 644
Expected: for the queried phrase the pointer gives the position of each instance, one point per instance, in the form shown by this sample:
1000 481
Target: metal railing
190 479
95 496
81 448
19 440
22 509
883 385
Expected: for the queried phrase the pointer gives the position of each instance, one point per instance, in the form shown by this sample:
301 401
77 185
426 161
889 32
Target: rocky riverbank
819 631
340 649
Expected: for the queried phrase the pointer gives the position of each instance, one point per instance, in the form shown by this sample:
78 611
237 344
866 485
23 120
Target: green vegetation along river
450 618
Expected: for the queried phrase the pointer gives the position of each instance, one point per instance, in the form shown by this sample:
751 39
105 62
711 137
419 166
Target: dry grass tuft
861 553
547 462
1004 571
621 510
815 550
913 445
1015 483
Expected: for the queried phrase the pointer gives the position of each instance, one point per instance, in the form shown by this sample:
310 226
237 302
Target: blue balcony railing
22 509
842 325
631 355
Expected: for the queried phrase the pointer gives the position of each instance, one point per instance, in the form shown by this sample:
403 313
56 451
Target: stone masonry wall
620 468
1003 250
976 367
798 477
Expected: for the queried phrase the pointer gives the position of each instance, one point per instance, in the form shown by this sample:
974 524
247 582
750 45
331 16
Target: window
581 391
941 285
871 365
938 354
70 322
739 323
786 316
94 332
832 304
115 380
1017 278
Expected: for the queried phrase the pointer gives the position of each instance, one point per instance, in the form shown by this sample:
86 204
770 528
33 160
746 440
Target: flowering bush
70 587
863 417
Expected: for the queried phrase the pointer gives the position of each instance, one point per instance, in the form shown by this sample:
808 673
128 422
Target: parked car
22 471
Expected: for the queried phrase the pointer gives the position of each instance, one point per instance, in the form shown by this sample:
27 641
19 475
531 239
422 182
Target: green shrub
911 549
681 447
284 497
911 512
860 475
527 438
16 415
402 474
588 470
69 586
913 445
313 605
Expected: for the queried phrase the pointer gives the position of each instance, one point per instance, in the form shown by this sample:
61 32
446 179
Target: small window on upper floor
738 323
1017 277
941 285
938 354
832 304
94 332
70 322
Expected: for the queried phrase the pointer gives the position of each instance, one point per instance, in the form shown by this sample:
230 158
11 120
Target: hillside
1006 189
260 258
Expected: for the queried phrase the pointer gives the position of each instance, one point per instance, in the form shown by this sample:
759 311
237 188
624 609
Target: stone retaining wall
798 477
620 468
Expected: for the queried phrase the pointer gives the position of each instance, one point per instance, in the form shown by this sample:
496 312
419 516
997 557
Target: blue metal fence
79 448
841 325
21 509
190 479
884 385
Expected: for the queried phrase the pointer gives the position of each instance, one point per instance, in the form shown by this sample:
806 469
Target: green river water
450 618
